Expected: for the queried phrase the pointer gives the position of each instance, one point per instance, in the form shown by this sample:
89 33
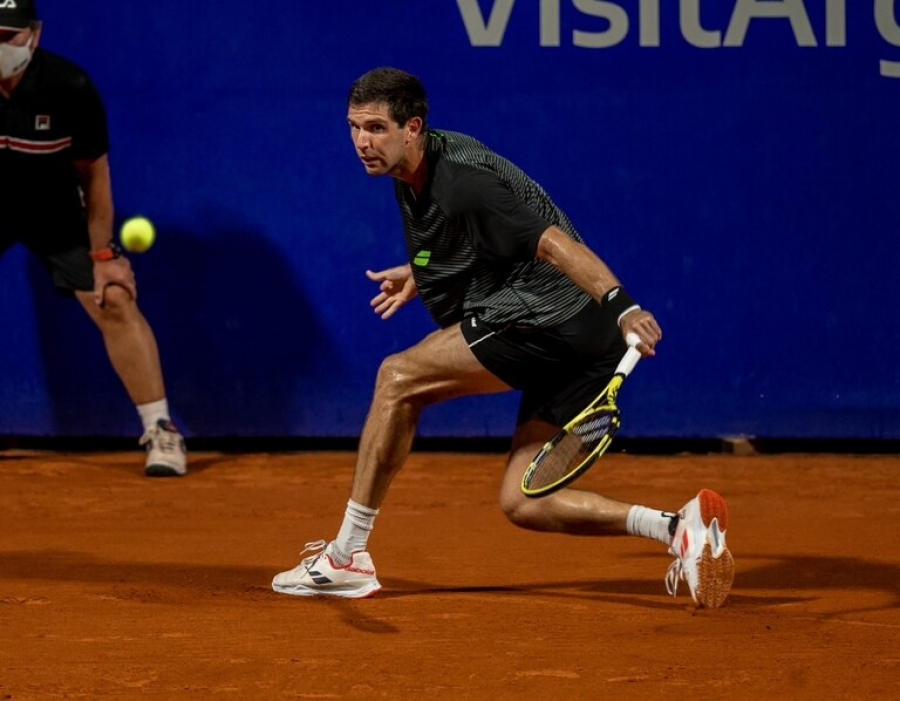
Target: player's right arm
585 268
93 174
397 288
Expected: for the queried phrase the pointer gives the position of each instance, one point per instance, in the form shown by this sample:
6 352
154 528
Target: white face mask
14 59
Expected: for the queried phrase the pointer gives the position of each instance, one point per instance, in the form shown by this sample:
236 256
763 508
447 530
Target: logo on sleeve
42 122
422 258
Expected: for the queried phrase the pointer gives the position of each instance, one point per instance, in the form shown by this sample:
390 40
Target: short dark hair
402 92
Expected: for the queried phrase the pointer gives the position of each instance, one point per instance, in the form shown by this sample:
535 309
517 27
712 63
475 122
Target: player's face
380 143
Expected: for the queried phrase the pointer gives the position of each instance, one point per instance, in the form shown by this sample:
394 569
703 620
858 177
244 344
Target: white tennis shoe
701 557
318 575
166 451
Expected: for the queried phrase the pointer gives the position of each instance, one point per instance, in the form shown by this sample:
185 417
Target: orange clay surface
117 586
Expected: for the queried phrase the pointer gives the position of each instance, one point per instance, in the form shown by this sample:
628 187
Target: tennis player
522 304
56 200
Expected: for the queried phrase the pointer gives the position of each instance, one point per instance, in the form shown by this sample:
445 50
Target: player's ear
413 128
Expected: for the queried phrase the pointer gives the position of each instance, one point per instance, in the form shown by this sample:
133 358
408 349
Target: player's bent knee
117 298
521 511
118 305
396 378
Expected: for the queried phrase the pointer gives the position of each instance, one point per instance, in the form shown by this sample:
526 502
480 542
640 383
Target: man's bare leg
438 368
130 343
573 511
134 355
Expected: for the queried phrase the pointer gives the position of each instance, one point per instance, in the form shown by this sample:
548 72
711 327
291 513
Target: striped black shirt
471 237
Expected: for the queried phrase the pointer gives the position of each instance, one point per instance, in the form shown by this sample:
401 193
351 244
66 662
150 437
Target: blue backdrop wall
735 161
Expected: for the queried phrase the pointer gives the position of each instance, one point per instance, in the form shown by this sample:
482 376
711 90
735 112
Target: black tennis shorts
560 370
62 248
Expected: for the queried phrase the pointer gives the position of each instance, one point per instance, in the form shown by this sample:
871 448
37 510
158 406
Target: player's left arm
96 189
396 287
587 270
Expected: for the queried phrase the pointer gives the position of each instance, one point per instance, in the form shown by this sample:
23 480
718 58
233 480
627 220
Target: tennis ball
137 234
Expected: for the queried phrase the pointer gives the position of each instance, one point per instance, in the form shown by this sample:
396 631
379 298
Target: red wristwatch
111 252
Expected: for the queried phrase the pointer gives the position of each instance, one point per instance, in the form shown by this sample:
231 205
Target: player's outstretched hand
397 288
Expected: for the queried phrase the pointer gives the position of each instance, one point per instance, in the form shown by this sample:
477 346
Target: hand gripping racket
584 439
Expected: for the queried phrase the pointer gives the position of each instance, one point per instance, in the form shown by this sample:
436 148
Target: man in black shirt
522 304
56 200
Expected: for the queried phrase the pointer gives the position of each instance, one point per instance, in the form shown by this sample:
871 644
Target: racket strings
575 448
572 450
592 431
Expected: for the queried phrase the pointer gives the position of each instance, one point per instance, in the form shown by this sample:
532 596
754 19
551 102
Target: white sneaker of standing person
166 450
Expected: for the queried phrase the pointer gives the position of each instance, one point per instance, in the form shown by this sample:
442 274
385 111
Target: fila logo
41 121
11 4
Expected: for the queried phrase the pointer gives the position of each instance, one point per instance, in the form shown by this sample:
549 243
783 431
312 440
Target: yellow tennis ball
137 235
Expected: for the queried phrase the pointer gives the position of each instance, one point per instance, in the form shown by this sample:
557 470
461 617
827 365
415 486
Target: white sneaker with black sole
166 451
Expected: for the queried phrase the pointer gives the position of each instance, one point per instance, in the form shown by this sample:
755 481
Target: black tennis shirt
54 116
471 237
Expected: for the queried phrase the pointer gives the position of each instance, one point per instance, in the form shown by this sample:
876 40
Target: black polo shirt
54 117
471 237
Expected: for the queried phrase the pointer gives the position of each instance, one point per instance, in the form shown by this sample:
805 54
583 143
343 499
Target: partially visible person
522 303
56 200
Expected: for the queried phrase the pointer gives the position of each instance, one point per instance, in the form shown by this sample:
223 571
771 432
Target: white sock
152 412
649 523
358 522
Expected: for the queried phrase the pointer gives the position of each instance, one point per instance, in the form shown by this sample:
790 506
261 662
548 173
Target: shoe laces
163 439
674 575
317 547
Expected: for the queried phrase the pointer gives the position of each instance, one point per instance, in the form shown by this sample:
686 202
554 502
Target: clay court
116 586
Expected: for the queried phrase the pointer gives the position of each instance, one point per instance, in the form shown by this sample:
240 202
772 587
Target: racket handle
631 357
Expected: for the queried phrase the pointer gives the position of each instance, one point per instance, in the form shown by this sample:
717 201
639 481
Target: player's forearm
577 262
100 226
97 190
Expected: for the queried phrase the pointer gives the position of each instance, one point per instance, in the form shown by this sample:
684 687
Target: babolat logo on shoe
319 578
422 258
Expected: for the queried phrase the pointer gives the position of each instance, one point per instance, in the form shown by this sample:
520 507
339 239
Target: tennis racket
584 439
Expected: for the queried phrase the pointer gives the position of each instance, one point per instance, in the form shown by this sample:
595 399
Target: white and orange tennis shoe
701 557
318 575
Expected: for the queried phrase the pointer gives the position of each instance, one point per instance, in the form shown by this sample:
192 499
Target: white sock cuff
360 509
151 412
360 516
631 521
353 536
649 523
